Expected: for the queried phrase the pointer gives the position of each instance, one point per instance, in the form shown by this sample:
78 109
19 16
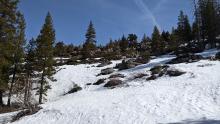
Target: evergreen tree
184 29
123 43
132 39
60 51
207 14
90 44
17 52
156 42
44 54
145 44
8 23
173 45
29 68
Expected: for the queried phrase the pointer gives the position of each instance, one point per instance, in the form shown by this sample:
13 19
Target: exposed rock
188 58
152 77
113 83
27 112
75 88
174 72
117 76
140 75
104 63
100 81
89 84
127 64
160 69
107 71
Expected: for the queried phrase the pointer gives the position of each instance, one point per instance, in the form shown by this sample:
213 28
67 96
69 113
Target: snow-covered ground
193 96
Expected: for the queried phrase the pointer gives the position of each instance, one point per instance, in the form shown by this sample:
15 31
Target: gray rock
100 81
112 83
107 71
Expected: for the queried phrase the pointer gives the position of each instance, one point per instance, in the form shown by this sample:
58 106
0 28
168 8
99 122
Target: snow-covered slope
194 95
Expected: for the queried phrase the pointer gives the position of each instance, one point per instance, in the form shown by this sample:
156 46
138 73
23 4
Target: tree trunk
1 98
12 85
26 91
41 88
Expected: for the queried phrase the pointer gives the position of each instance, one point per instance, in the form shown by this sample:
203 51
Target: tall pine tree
90 44
17 52
8 37
156 47
44 54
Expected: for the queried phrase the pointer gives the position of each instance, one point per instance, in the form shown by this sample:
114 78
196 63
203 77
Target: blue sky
111 18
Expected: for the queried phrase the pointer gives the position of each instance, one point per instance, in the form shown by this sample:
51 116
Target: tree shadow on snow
198 122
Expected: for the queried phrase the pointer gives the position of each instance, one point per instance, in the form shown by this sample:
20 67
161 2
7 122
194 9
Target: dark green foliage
132 39
184 29
29 68
156 46
17 51
44 55
89 46
124 44
145 44
12 26
208 20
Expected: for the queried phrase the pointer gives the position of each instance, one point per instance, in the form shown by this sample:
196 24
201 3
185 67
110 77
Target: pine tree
90 44
207 14
17 52
91 34
29 68
145 44
184 29
132 39
123 43
8 23
60 51
156 42
44 54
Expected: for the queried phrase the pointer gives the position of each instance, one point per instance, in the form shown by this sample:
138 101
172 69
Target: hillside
189 98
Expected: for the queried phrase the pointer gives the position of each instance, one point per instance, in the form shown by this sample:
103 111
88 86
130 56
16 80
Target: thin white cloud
147 12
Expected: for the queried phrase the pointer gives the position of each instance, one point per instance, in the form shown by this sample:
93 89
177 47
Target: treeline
23 63
203 33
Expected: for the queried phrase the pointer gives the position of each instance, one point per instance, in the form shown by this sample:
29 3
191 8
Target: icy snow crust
192 96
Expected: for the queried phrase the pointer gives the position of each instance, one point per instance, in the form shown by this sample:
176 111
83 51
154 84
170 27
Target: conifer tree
8 23
17 52
29 68
207 17
145 44
156 42
132 39
60 51
123 43
90 44
184 29
44 54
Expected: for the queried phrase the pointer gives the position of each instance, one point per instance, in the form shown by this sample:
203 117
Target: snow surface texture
193 97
